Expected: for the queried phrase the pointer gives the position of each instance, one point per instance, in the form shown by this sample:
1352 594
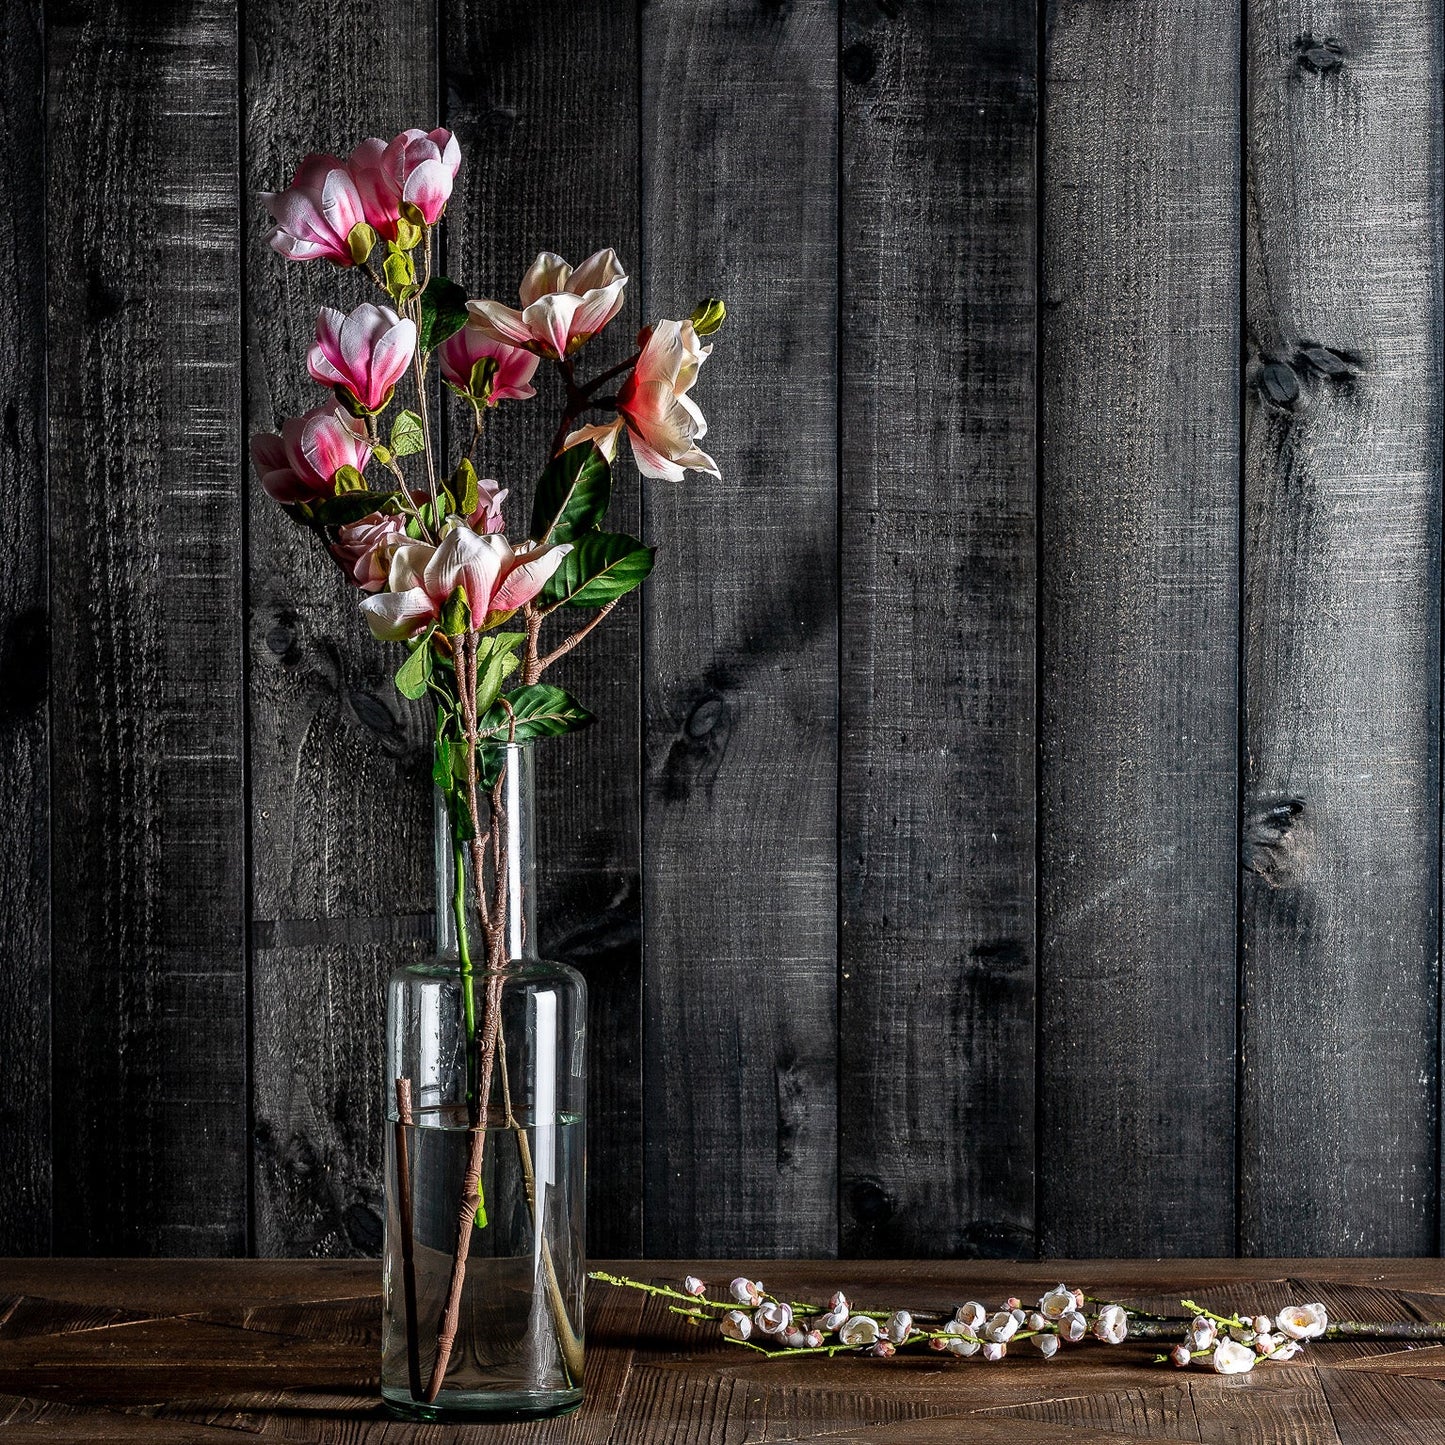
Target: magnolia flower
367 352
363 548
1266 1343
1047 1345
1001 1327
488 518
301 463
964 1348
898 1326
561 308
1112 1325
510 381
1302 1322
995 1350
1232 1358
735 1325
1034 1320
971 1316
663 423
1013 1302
1180 1356
746 1291
837 1312
773 1318
1072 1327
693 1285
813 1338
495 577
1202 1333
316 213
794 1338
417 168
1059 1301
859 1330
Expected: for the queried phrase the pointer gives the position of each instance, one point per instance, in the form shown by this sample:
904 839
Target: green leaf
479 384
359 241
407 436
572 494
408 233
350 506
456 614
541 711
443 311
412 676
600 568
399 272
499 666
347 479
464 486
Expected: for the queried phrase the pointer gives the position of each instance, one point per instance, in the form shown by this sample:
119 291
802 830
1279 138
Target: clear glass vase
484 1257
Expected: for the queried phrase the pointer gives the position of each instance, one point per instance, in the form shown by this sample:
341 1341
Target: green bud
456 615
348 479
408 233
359 242
381 453
709 316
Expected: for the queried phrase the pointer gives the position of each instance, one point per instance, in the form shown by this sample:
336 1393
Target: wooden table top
181 1350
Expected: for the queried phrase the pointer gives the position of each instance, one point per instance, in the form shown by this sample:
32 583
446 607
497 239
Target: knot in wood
860 64
1315 57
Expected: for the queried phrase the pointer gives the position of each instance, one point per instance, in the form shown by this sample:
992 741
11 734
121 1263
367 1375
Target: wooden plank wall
1014 825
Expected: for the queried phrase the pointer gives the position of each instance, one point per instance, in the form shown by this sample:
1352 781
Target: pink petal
428 188
549 320
394 616
471 562
526 580
548 273
602 268
391 356
500 322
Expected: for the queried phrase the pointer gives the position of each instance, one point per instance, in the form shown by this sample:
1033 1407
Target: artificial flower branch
1230 1344
434 565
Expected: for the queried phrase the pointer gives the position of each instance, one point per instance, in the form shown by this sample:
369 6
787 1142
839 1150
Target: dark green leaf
413 674
443 311
407 436
490 677
572 494
541 711
600 568
350 506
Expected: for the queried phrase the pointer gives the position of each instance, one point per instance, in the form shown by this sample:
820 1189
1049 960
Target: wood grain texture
342 883
543 98
167 1350
936 1040
1139 525
740 680
1341 848
145 559
25 1194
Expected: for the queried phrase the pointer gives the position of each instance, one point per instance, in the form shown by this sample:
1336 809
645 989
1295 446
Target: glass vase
484 1254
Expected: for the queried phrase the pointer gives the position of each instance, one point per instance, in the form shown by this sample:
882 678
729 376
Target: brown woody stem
404 1121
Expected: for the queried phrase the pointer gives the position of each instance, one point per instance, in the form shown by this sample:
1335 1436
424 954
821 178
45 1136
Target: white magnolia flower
995 1350
972 1315
1180 1356
746 1291
1232 1358
1262 1325
1302 1322
1266 1343
772 1318
859 1330
813 1338
1047 1345
1202 1333
898 1326
793 1338
735 1325
963 1347
1112 1325
1072 1327
1002 1327
1057 1303
837 1314
693 1285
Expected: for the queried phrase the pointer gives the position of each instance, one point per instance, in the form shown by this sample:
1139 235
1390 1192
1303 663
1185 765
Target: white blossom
859 1330
882 1349
746 1291
995 1350
1286 1350
772 1318
1057 1302
898 1326
1002 1327
1047 1345
972 1315
1180 1356
1072 1327
1112 1325
1262 1325
837 1313
1232 1358
963 1347
1266 1343
735 1325
1202 1333
1302 1322
1035 1321
793 1338
693 1285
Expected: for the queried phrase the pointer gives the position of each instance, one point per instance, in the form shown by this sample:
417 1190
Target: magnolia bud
1072 1327
972 1315
882 1349
995 1350
773 1318
709 316
1035 1321
1047 1345
1180 1356
745 1291
692 1284
899 1326
735 1325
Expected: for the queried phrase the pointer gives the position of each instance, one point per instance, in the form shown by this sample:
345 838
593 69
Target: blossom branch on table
431 556
1230 1344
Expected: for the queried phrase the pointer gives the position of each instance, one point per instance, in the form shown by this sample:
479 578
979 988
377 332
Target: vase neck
515 854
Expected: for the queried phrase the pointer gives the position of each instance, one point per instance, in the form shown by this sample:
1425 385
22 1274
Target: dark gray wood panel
1138 600
739 167
145 564
936 1038
1342 629
543 97
342 882
24 639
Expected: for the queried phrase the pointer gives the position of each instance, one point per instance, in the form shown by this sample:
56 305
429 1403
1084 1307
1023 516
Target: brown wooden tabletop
176 1350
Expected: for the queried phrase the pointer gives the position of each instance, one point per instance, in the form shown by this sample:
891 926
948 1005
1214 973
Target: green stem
464 954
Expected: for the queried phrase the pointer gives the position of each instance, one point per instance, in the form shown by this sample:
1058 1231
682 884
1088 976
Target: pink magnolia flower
488 516
301 463
512 379
496 577
367 352
663 423
315 214
417 168
561 308
363 548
